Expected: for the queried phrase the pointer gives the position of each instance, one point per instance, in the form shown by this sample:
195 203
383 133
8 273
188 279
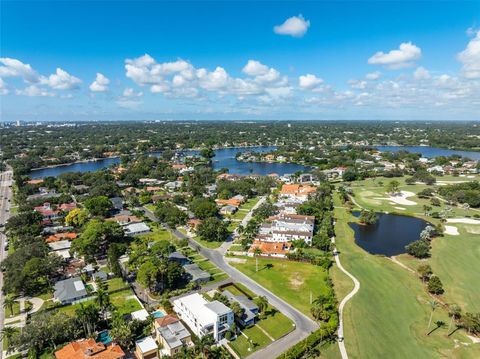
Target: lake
389 235
430 152
224 158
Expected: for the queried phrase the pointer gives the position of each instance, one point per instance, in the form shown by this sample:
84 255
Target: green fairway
388 317
292 281
454 258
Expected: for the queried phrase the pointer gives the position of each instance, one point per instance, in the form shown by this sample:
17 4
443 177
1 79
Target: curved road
356 288
303 324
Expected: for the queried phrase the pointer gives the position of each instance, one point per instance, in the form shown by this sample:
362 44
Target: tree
207 153
213 230
424 271
426 210
9 303
368 217
237 310
419 249
169 213
454 312
257 252
98 206
262 303
392 187
8 333
88 315
76 217
147 274
433 306
102 298
121 332
203 207
435 285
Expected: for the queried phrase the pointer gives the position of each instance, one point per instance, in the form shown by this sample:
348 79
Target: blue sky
308 60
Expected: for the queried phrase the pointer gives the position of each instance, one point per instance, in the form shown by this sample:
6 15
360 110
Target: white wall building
204 317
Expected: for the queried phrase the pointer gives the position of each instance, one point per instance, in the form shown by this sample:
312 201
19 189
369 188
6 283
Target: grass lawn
250 203
16 310
287 279
116 283
388 317
158 233
275 323
241 344
207 244
124 303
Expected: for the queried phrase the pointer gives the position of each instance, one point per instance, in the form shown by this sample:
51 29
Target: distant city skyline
245 60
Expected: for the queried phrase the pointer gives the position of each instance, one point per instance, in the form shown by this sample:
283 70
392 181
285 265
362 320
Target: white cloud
3 88
100 84
16 68
129 92
421 73
373 76
309 81
255 68
470 58
295 26
395 59
61 80
34 91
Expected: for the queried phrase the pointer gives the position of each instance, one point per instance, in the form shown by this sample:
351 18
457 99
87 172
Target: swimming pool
104 337
158 314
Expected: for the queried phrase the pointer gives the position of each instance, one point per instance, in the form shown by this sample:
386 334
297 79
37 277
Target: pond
431 152
389 235
224 158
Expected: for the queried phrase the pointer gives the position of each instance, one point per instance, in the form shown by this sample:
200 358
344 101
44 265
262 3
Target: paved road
5 198
356 288
303 324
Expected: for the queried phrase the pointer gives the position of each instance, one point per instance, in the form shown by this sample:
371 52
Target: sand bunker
400 208
401 198
463 220
451 230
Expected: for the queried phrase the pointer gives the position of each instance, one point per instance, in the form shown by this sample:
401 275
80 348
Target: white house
204 317
136 228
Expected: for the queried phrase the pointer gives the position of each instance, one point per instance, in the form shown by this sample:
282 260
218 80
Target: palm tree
455 312
103 300
7 334
88 316
9 302
257 252
262 303
433 305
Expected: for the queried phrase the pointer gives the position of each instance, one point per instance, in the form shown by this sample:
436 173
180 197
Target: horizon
68 61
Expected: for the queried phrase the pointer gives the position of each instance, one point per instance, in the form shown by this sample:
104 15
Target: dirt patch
472 229
296 281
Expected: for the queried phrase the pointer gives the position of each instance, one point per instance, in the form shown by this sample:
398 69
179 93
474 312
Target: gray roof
242 300
69 290
248 305
177 256
117 203
174 333
218 307
196 273
100 274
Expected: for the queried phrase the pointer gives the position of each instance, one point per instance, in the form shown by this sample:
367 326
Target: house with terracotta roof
49 213
61 237
297 191
90 349
235 202
270 249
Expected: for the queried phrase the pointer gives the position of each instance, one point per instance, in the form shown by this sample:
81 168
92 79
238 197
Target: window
223 319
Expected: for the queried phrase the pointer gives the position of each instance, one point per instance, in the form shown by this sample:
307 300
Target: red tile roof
89 349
